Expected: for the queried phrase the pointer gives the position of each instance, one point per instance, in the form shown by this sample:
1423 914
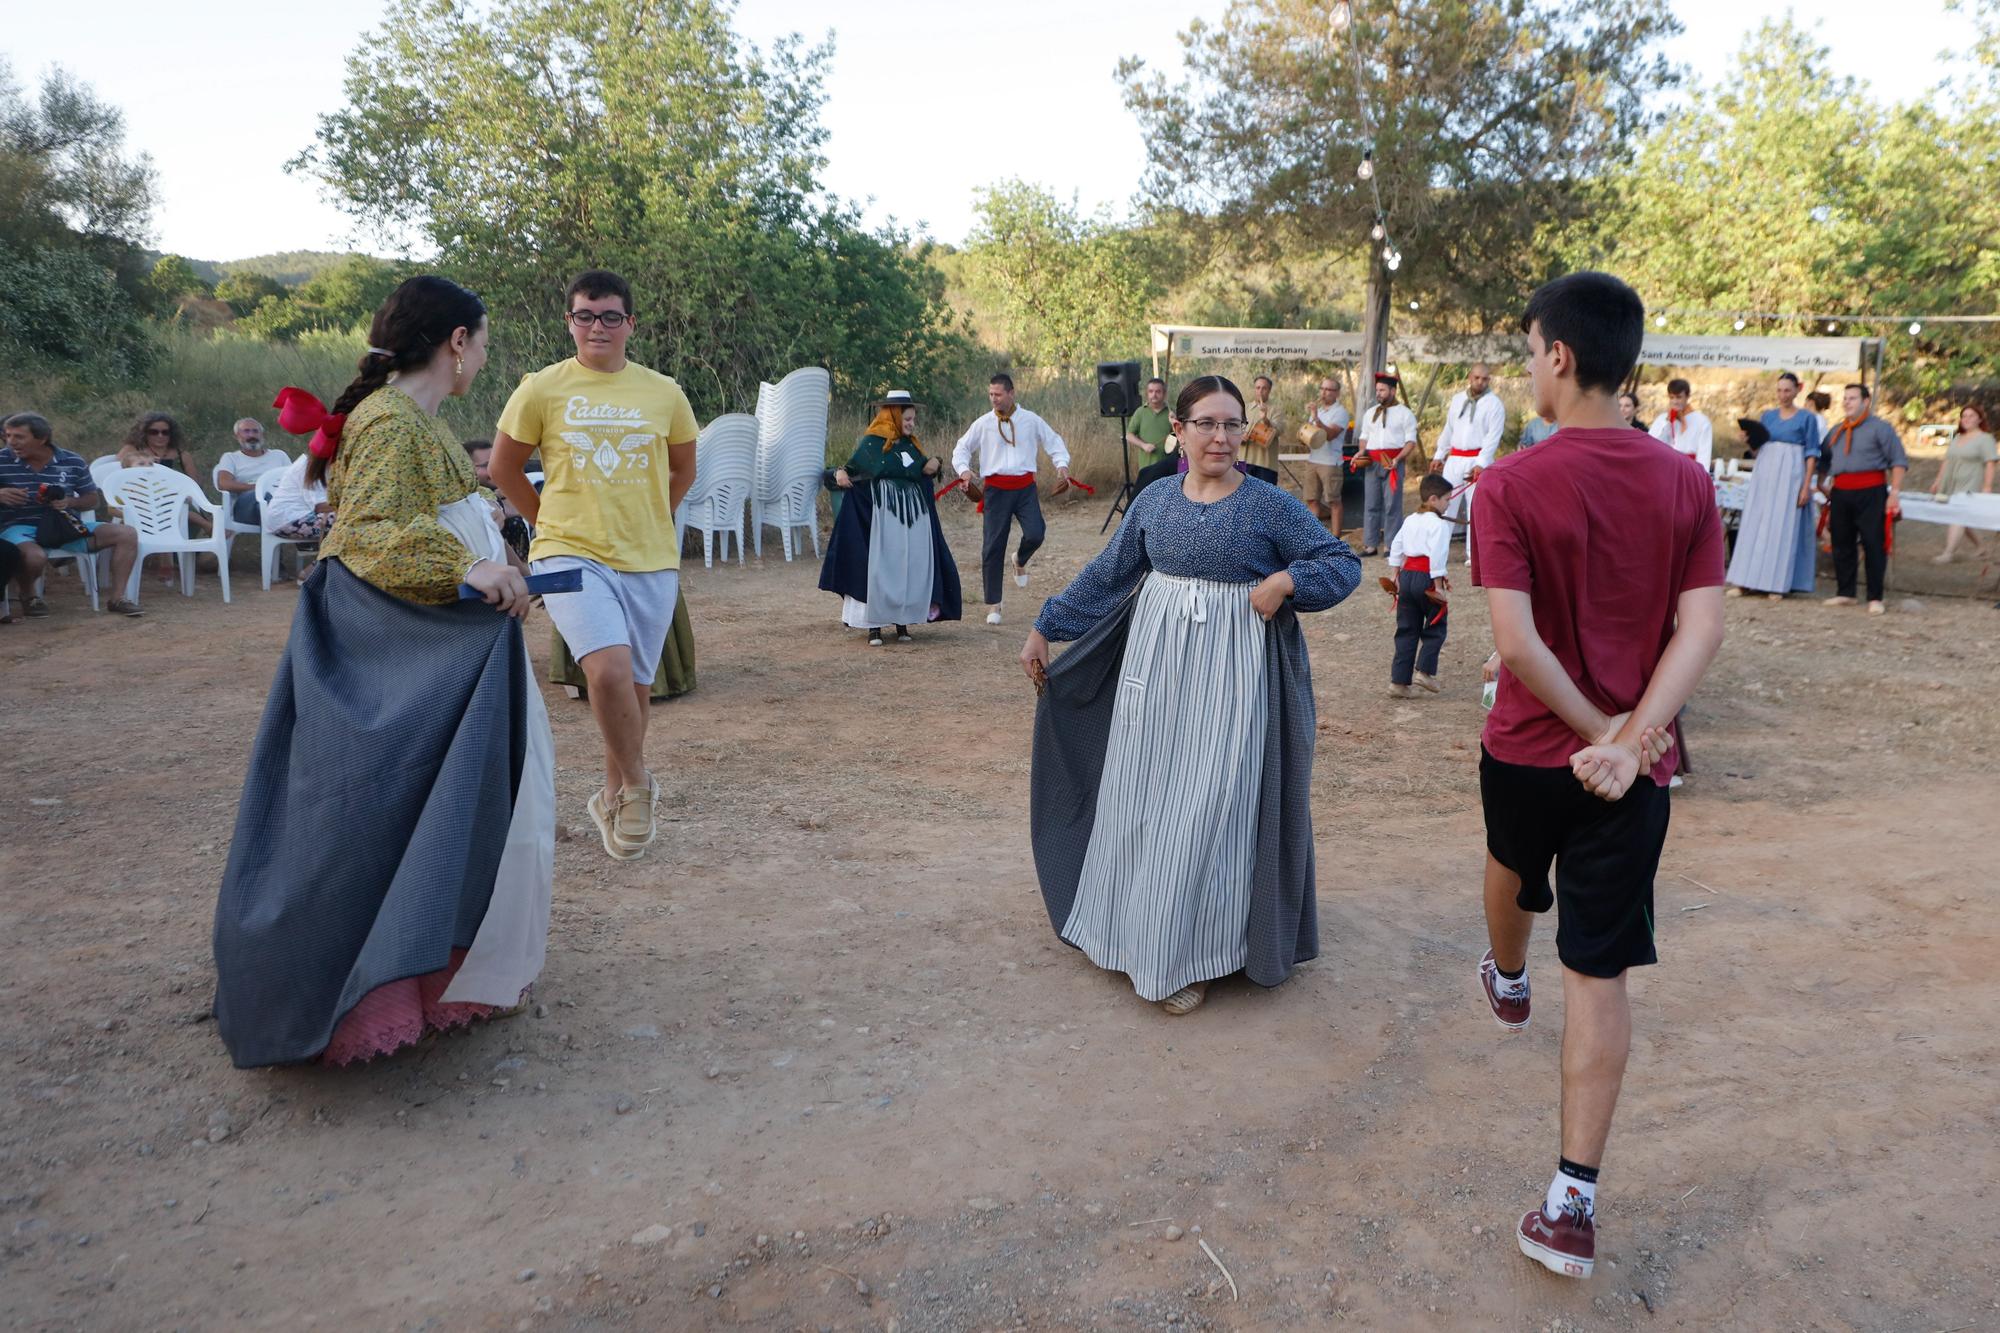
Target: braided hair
412 325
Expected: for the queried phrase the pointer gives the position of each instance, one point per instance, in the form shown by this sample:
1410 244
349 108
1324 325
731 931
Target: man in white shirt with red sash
1007 440
1683 430
1388 434
1473 425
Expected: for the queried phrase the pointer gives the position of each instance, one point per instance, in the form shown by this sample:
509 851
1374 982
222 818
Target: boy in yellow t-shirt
617 443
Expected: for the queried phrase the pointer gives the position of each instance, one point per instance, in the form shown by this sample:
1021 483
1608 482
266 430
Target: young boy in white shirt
1418 555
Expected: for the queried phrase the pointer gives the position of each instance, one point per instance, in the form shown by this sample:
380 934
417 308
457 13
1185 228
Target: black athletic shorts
1605 855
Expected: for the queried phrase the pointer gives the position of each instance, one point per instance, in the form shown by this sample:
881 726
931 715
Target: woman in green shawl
887 557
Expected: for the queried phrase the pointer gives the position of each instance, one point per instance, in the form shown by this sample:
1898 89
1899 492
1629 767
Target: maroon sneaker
1566 1247
1511 1010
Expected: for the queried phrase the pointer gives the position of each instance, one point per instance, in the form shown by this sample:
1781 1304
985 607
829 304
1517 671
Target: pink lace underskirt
391 1017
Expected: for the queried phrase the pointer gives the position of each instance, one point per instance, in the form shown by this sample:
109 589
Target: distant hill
290 267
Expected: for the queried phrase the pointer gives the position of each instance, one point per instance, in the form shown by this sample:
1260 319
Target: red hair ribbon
300 412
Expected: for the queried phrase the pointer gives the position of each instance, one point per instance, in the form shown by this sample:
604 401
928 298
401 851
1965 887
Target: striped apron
1164 895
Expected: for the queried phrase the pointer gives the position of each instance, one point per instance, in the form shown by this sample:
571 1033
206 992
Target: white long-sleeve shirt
1692 435
1473 424
292 499
1393 429
997 456
1423 534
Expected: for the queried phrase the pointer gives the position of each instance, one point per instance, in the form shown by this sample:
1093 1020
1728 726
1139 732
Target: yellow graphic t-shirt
604 445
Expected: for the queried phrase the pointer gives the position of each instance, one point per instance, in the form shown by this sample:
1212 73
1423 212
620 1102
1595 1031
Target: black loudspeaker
1117 388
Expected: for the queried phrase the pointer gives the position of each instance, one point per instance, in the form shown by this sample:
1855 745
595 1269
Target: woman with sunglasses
155 440
1173 744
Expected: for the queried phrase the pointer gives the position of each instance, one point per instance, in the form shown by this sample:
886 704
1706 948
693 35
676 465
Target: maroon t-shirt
1604 530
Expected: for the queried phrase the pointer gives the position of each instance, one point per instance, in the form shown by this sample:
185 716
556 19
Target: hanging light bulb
1395 260
1413 305
1388 253
1831 325
1366 171
1916 327
1659 321
1739 325
1341 16
1378 231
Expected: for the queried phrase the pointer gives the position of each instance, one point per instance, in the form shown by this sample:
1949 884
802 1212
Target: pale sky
221 93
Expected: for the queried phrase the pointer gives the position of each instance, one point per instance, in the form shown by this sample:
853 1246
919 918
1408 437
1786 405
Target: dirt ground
818 1061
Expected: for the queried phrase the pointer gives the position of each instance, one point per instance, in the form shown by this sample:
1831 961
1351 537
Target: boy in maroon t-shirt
1601 553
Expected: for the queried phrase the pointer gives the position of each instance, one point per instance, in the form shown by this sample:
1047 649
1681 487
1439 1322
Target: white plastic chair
791 454
270 542
88 564
87 568
229 526
156 501
725 465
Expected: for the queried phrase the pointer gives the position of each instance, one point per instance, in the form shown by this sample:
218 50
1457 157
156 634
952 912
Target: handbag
58 528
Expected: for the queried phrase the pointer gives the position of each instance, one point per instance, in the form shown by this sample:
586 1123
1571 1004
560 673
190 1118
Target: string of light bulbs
1340 26
1914 324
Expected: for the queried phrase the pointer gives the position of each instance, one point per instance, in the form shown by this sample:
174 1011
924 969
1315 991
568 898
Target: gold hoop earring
457 370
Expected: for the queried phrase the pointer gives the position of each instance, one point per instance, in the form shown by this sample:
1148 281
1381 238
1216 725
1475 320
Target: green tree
1747 197
172 278
638 135
244 290
63 172
1486 119
73 210
1782 188
1063 288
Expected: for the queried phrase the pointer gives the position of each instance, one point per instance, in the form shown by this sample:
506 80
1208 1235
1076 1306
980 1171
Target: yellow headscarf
888 424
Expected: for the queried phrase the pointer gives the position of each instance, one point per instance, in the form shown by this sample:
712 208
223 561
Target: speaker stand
1123 500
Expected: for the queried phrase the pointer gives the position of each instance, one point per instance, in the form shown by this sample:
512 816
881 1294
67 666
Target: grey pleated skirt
1774 550
902 572
1165 891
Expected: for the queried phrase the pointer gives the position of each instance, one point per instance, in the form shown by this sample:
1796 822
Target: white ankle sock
1513 989
1569 1192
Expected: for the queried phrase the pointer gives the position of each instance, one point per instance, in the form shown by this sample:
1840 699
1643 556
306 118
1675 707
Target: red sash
1007 481
1416 564
1465 453
1860 481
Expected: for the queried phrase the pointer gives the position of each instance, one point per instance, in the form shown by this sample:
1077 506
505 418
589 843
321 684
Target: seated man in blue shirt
38 484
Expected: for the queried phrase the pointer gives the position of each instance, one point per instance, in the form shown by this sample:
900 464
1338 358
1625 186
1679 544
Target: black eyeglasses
159 430
610 319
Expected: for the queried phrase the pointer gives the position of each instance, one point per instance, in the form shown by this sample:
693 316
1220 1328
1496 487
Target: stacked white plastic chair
725 474
156 501
791 455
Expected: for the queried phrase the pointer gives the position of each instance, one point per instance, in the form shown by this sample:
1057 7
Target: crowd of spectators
52 507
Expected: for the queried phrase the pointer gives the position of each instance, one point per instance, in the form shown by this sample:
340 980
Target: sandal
121 607
1185 1000
35 607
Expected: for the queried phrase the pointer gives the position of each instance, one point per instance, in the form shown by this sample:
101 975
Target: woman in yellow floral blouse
394 852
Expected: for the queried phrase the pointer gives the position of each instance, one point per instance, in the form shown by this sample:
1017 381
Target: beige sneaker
634 826
1399 691
1427 682
1877 609
607 829
1838 601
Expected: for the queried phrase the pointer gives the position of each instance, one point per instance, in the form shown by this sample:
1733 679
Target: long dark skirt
376 810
